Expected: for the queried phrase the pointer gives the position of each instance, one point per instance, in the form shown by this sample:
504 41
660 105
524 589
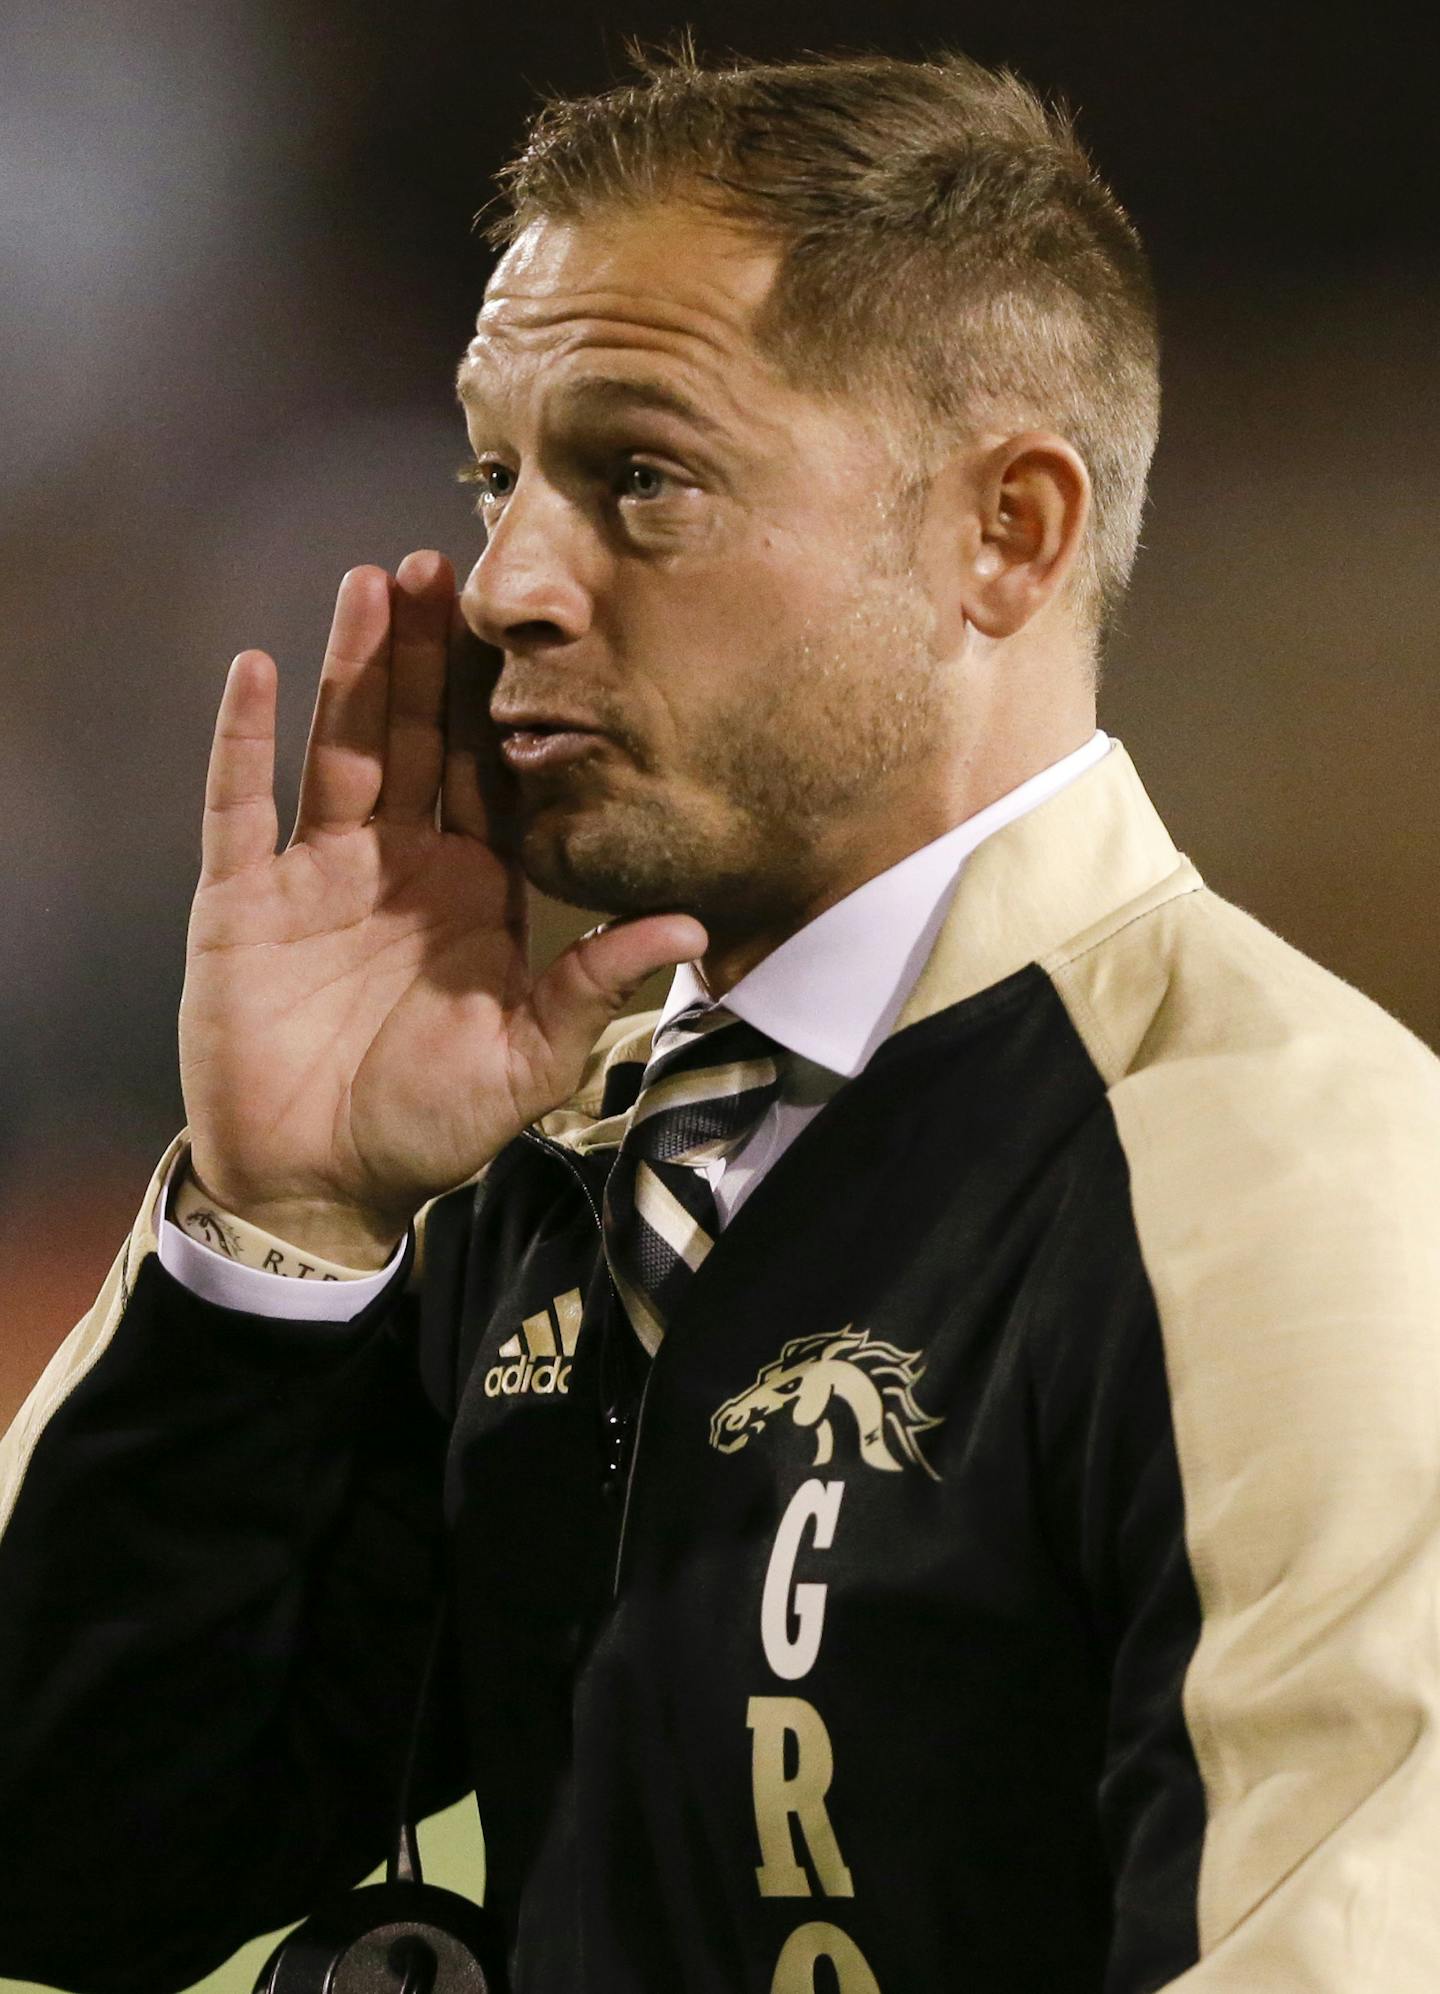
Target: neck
851 854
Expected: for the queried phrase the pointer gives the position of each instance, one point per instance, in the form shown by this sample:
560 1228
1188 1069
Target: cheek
691 634
738 600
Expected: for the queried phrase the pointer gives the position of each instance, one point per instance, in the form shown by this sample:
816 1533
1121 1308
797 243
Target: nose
532 586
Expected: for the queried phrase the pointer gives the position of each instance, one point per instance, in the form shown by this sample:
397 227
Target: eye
642 481
493 481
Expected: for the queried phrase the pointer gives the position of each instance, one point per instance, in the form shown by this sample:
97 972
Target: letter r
800 1795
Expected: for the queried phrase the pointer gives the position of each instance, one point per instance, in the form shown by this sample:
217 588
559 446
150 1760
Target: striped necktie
710 1079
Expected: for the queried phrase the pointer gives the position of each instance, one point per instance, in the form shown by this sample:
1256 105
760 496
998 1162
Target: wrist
304 1238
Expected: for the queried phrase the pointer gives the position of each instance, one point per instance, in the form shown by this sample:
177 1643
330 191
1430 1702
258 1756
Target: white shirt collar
833 990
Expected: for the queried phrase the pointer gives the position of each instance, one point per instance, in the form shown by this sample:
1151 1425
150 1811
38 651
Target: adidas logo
538 1358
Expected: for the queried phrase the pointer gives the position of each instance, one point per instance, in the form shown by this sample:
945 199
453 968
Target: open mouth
543 744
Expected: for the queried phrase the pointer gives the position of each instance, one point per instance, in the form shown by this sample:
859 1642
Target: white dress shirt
829 995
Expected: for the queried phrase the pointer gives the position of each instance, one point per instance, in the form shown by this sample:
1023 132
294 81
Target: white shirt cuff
213 1278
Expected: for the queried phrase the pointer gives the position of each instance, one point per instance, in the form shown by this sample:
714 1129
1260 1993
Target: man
931 1445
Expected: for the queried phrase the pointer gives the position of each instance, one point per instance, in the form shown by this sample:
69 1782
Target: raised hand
360 1029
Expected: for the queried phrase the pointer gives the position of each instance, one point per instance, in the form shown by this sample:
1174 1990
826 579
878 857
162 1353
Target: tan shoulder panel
1283 1139
1043 878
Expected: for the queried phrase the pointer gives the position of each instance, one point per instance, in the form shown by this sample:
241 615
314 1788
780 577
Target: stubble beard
809 743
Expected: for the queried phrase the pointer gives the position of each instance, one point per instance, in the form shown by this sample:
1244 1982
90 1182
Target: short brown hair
945 246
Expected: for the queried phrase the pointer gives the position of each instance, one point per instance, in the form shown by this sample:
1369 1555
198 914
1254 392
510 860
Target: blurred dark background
236 270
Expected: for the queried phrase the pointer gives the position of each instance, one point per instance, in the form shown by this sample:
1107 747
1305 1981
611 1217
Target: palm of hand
352 1008
360 1029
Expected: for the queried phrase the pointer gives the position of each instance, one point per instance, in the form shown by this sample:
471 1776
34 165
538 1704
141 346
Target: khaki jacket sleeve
1286 1191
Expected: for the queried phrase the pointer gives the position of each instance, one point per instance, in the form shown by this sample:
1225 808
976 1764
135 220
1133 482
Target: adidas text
537 1358
550 1374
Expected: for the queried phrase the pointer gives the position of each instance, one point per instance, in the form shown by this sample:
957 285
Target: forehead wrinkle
711 314
505 366
566 334
602 393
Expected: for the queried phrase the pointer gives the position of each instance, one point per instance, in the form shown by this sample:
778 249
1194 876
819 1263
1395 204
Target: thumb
581 991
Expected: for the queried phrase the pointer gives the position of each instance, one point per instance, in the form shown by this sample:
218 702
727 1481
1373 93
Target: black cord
403 1864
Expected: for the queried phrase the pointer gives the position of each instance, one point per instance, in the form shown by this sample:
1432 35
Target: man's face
718 675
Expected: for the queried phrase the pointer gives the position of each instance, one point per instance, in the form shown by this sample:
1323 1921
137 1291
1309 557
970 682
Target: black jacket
864 1624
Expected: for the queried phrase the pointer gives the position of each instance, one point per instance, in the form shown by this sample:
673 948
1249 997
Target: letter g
792 1657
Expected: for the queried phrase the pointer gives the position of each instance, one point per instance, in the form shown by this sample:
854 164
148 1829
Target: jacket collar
1048 884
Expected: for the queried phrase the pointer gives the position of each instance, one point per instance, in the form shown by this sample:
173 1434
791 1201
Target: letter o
806 1947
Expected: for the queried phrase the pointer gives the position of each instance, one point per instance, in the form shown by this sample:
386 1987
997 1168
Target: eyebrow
605 394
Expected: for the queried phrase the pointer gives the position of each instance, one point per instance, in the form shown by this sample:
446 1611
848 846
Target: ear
1031 499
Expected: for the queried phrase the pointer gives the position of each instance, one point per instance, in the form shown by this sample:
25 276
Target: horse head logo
873 1378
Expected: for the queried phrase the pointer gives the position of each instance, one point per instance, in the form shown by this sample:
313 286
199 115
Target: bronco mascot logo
874 1379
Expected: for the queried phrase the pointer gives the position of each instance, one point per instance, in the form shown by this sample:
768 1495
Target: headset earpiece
390 1938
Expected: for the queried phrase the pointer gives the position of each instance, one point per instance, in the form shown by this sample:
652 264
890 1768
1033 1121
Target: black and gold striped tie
710 1079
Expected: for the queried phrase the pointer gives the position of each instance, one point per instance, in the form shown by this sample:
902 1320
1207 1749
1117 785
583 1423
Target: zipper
630 1478
563 1156
628 1435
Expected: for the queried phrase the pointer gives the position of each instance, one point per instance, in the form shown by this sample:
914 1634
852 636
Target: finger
415 731
239 826
582 990
345 755
478 793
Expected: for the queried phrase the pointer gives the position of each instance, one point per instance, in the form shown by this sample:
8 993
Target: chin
637 859
586 859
